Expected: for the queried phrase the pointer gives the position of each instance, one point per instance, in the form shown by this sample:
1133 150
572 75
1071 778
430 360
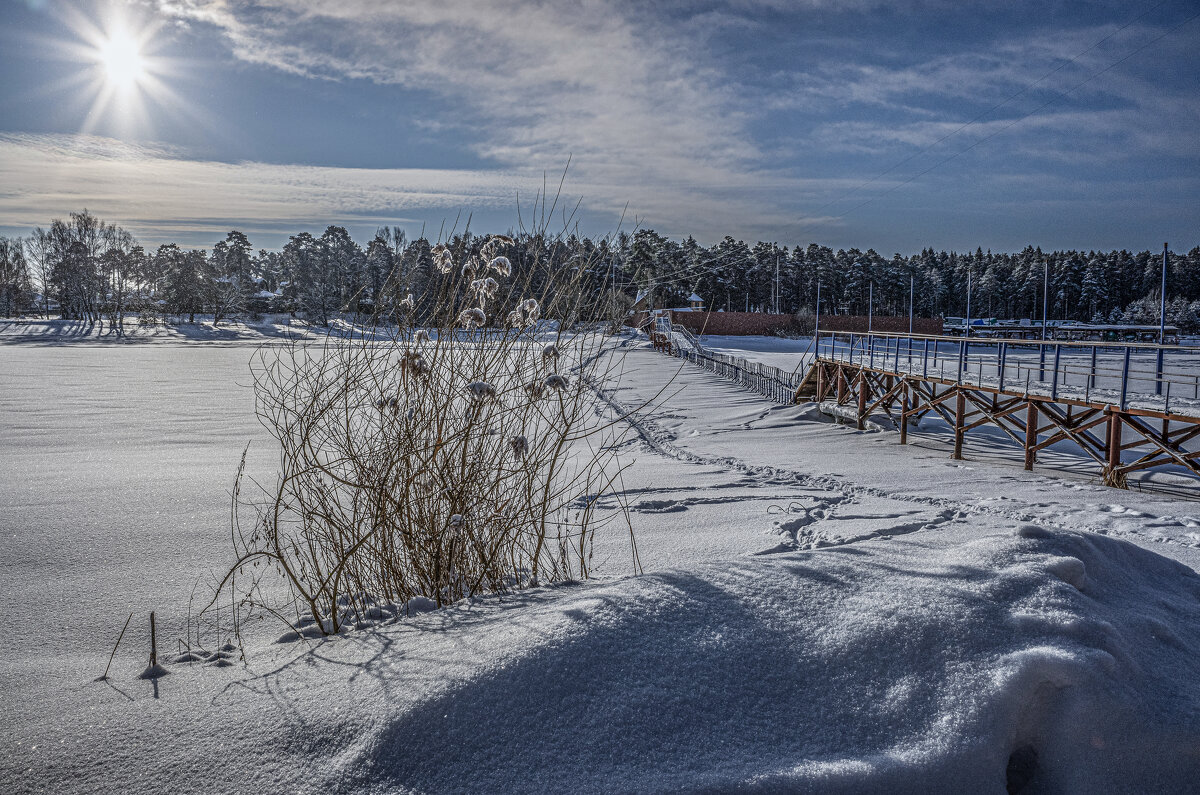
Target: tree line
86 269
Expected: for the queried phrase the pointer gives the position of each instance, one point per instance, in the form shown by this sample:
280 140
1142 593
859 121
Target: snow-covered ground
823 609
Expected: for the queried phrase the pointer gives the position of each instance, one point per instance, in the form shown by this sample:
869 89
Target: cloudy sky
894 125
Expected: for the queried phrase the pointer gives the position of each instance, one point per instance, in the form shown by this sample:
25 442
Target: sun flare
122 59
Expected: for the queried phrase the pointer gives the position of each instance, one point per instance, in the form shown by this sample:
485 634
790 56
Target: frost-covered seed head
421 335
407 303
490 286
550 353
556 382
481 390
520 446
501 265
471 318
414 363
530 307
535 389
442 258
456 520
515 319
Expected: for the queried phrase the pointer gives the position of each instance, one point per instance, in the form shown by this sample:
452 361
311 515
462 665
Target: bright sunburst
124 75
121 56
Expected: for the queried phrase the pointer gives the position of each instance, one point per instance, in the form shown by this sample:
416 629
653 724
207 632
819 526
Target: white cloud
614 89
162 196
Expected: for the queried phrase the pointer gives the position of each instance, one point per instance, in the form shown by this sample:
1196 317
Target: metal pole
911 283
870 305
1162 300
1162 325
968 329
1124 379
966 351
1045 310
817 323
1054 386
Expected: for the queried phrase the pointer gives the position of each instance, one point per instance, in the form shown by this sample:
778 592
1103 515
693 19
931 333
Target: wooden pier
1112 402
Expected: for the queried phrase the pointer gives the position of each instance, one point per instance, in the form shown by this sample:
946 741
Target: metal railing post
1125 379
1054 386
1003 357
1158 374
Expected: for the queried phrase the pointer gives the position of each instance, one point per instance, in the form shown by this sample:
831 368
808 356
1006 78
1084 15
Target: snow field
823 610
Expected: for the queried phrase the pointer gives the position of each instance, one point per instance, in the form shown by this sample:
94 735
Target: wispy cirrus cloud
538 82
164 196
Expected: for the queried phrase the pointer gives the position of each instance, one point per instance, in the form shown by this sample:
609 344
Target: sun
124 83
121 56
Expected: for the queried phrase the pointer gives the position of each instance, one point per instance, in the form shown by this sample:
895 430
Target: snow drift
1059 661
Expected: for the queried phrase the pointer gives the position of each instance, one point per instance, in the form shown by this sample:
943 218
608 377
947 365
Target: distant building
695 303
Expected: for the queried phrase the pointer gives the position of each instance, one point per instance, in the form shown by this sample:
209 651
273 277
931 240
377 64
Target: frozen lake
116 467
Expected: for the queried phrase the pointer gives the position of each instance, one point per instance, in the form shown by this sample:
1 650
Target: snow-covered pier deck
1129 407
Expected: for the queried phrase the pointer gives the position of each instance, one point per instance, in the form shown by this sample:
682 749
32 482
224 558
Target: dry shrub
460 456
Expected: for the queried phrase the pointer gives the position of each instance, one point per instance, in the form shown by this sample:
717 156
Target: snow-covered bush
461 458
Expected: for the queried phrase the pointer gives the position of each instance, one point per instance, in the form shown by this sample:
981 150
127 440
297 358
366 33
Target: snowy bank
957 662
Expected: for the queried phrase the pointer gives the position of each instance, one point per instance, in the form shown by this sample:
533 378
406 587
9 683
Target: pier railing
773 383
1162 378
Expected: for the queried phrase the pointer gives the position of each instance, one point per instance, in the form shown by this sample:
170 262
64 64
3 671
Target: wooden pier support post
960 410
1031 428
863 395
1113 464
842 386
904 416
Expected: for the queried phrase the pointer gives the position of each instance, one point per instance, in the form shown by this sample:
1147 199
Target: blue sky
892 125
